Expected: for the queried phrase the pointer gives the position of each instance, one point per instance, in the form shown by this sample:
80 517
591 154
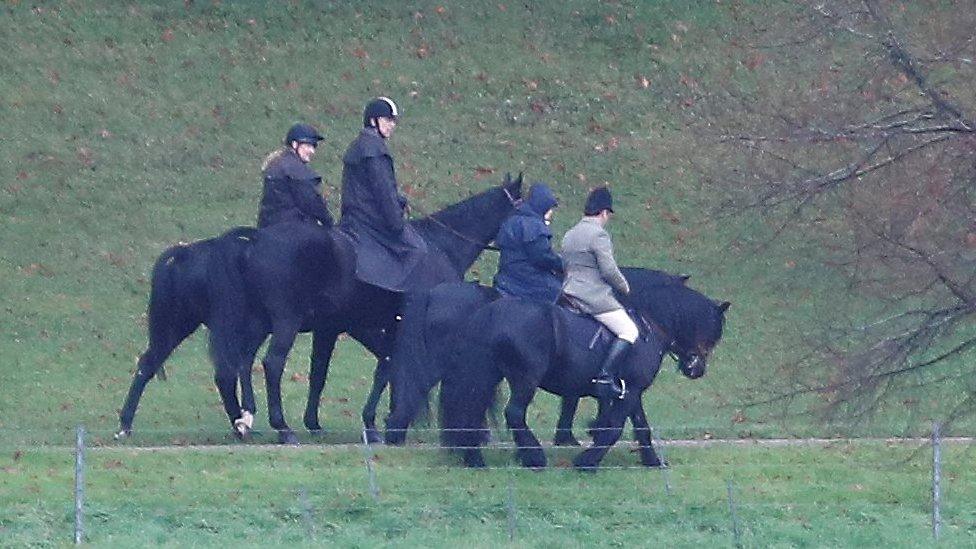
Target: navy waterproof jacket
292 192
528 268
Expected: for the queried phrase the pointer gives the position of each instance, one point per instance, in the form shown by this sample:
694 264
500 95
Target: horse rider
591 276
528 268
292 190
389 252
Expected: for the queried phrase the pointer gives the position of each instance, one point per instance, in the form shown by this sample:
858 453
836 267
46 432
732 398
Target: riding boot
609 385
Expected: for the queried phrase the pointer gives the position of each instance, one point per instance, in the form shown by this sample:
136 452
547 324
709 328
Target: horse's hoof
243 425
474 459
652 461
373 436
288 437
534 461
583 464
396 437
123 434
566 440
312 424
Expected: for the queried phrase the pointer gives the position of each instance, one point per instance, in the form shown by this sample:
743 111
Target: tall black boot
608 385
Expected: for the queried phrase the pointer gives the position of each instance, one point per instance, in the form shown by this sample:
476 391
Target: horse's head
693 347
689 322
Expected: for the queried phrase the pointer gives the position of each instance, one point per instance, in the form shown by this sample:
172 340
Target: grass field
841 494
130 127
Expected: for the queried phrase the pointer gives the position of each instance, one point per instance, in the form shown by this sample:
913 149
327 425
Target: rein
653 326
511 200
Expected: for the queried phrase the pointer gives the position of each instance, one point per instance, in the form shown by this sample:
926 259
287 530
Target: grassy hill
133 127
130 127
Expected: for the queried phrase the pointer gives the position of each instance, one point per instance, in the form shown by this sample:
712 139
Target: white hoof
121 435
244 423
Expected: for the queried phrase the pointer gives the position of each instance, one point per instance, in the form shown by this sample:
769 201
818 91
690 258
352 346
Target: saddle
592 328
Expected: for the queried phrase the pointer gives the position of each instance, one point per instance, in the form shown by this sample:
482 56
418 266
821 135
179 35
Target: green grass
836 495
131 127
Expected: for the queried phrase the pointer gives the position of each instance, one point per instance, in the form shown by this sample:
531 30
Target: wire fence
513 497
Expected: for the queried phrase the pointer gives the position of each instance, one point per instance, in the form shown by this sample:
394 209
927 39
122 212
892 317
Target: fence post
370 473
511 511
306 513
666 470
936 480
735 520
79 484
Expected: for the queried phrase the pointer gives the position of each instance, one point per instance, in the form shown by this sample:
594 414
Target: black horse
432 320
289 278
533 346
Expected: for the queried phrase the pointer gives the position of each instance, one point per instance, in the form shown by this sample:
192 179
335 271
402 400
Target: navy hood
541 199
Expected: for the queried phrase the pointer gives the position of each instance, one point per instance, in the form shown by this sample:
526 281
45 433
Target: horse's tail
414 370
178 304
174 311
227 296
468 391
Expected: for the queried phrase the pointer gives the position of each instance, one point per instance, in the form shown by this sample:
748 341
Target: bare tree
870 140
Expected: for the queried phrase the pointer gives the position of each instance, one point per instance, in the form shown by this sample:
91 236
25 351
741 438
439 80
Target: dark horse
533 346
432 320
289 278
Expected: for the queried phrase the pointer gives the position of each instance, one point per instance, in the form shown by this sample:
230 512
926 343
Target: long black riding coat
292 192
389 252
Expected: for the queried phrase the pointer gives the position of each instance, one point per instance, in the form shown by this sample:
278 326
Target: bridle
672 348
515 202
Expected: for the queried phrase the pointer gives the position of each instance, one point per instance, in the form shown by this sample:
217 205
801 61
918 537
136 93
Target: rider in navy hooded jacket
528 267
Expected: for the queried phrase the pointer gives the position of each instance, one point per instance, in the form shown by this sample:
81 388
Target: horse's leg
381 378
380 343
323 344
642 434
564 428
607 433
282 339
225 377
150 362
244 425
529 449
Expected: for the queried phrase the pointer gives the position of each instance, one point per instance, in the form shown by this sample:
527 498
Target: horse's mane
670 305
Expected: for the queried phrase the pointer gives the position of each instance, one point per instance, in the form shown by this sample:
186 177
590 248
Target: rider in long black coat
292 190
389 252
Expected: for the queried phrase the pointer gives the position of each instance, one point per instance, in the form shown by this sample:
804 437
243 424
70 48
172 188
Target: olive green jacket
591 272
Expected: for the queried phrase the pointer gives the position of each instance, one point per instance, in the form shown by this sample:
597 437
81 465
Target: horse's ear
519 180
724 306
508 179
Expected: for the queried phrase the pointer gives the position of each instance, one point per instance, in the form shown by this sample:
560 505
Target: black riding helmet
379 107
303 133
598 200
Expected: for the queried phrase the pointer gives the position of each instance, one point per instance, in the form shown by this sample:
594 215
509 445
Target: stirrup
609 381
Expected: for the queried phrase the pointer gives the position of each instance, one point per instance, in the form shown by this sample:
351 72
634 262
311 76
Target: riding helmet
379 107
303 133
598 200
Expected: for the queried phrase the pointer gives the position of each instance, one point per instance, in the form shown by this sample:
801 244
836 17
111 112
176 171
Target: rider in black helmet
389 252
292 190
